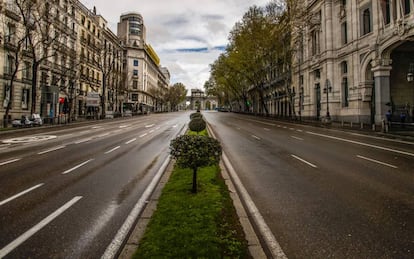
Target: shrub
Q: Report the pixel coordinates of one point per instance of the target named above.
(195, 115)
(195, 151)
(197, 124)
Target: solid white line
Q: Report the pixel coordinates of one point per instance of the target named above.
(304, 161)
(362, 144)
(112, 150)
(256, 137)
(264, 229)
(9, 161)
(50, 150)
(297, 138)
(130, 141)
(122, 233)
(143, 135)
(376, 161)
(20, 194)
(149, 126)
(18, 241)
(76, 167)
(83, 140)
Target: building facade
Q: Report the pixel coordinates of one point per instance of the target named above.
(352, 59)
(143, 72)
(64, 63)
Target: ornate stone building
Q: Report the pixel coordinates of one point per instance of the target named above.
(199, 101)
(353, 59)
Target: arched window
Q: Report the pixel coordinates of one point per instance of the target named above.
(366, 21)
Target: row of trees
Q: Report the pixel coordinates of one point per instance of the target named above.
(258, 55)
(170, 97)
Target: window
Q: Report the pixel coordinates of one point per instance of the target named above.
(406, 6)
(135, 62)
(9, 65)
(344, 67)
(315, 42)
(27, 70)
(135, 72)
(10, 33)
(386, 11)
(318, 73)
(25, 99)
(366, 21)
(134, 97)
(345, 91)
(344, 33)
(135, 84)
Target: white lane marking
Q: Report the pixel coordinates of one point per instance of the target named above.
(103, 135)
(376, 161)
(256, 137)
(157, 128)
(266, 129)
(175, 126)
(362, 144)
(50, 150)
(96, 127)
(284, 127)
(123, 126)
(83, 140)
(279, 126)
(299, 130)
(9, 161)
(149, 126)
(151, 131)
(262, 122)
(76, 167)
(296, 138)
(112, 150)
(122, 233)
(291, 128)
(130, 141)
(116, 131)
(273, 245)
(18, 241)
(382, 138)
(20, 194)
(304, 161)
(143, 135)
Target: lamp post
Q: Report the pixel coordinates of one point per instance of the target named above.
(327, 90)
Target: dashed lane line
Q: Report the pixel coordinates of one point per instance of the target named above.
(20, 194)
(18, 241)
(256, 137)
(296, 138)
(304, 161)
(376, 161)
(112, 150)
(143, 135)
(10, 161)
(130, 141)
(50, 150)
(76, 167)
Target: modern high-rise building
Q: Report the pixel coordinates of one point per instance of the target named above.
(354, 60)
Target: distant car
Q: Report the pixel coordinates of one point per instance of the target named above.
(36, 120)
(223, 109)
(24, 122)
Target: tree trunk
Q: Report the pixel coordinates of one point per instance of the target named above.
(194, 190)
(35, 68)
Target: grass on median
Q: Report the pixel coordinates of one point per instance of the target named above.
(187, 225)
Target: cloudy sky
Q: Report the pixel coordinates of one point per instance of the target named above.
(187, 35)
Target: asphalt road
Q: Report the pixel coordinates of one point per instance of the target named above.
(324, 193)
(65, 192)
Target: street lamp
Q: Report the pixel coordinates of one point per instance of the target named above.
(327, 90)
